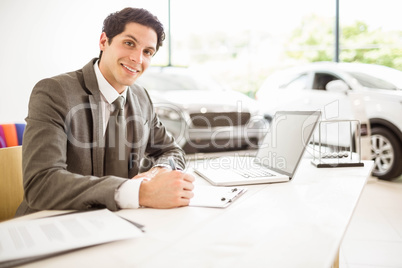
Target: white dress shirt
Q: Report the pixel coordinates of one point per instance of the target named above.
(127, 195)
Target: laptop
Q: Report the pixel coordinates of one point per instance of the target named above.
(277, 157)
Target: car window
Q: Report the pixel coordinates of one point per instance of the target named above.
(372, 81)
(299, 82)
(281, 80)
(322, 79)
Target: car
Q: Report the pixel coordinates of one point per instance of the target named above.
(324, 85)
(202, 115)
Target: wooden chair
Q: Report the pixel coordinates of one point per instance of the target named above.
(11, 189)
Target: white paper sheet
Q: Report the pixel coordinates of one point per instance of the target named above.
(32, 238)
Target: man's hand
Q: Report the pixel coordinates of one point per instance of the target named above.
(167, 189)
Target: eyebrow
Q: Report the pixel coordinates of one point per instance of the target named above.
(135, 39)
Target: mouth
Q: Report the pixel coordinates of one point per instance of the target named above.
(131, 70)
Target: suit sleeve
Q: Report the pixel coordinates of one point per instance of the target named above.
(161, 143)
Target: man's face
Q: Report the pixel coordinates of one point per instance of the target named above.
(128, 55)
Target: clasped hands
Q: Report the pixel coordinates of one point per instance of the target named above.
(165, 188)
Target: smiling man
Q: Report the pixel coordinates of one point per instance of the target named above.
(89, 131)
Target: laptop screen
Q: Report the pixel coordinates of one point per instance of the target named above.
(285, 142)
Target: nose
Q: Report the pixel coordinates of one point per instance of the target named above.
(136, 56)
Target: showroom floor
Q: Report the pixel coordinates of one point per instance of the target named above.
(374, 236)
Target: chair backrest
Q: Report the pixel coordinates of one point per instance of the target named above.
(11, 189)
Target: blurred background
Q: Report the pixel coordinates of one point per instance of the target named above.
(239, 43)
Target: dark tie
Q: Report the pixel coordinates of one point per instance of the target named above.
(116, 162)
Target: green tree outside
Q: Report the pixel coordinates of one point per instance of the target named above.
(314, 41)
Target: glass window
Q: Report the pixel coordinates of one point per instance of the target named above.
(298, 82)
(372, 81)
(322, 79)
(283, 80)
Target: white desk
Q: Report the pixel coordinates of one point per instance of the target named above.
(299, 223)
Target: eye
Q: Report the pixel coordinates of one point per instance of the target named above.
(148, 52)
(129, 43)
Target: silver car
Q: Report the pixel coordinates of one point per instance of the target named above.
(330, 86)
(201, 114)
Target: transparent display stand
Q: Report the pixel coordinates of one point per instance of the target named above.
(333, 145)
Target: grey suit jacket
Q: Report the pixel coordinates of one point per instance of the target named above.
(63, 152)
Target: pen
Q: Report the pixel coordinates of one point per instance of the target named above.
(172, 163)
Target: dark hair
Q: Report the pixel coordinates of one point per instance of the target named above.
(115, 23)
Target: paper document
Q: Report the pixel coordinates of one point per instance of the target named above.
(39, 237)
(214, 196)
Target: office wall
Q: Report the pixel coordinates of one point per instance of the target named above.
(43, 38)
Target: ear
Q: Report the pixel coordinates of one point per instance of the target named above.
(103, 41)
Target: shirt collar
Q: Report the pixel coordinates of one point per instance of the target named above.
(105, 88)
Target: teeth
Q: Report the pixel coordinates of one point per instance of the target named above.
(128, 68)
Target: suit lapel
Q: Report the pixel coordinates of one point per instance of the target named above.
(98, 149)
(135, 132)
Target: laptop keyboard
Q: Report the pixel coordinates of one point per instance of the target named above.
(254, 173)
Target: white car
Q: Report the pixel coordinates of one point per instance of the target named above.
(201, 114)
(325, 85)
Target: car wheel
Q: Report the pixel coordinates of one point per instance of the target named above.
(386, 154)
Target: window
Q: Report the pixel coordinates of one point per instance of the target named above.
(295, 82)
(322, 79)
(372, 81)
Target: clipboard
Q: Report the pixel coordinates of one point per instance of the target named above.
(214, 196)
